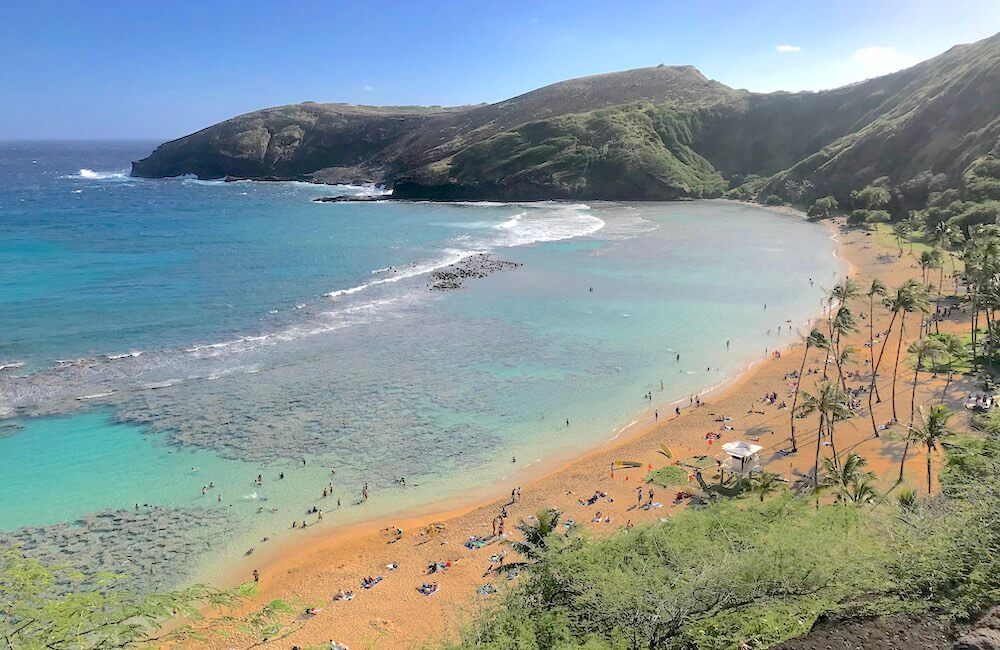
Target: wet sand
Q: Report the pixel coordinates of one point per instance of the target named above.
(395, 614)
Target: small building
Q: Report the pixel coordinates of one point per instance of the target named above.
(743, 457)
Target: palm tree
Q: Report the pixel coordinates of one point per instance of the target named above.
(861, 492)
(830, 401)
(913, 299)
(765, 483)
(924, 349)
(535, 538)
(843, 323)
(846, 353)
(947, 236)
(932, 429)
(953, 348)
(849, 478)
(815, 339)
(877, 288)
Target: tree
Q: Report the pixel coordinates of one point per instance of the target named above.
(923, 349)
(877, 288)
(929, 432)
(36, 611)
(830, 402)
(850, 480)
(912, 298)
(536, 538)
(815, 339)
(872, 197)
(953, 349)
(765, 483)
(824, 206)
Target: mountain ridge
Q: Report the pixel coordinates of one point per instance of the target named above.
(660, 132)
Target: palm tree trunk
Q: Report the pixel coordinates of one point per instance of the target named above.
(795, 398)
(913, 395)
(873, 391)
(833, 445)
(928, 469)
(871, 335)
(819, 442)
(902, 461)
(937, 321)
(895, 367)
(944, 393)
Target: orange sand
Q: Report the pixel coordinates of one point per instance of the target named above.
(394, 614)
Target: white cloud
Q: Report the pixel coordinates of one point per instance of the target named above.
(368, 89)
(788, 48)
(876, 61)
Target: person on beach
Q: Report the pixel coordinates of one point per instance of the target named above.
(256, 576)
(364, 492)
(567, 421)
(677, 410)
(656, 415)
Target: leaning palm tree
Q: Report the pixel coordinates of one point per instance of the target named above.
(842, 324)
(924, 349)
(843, 358)
(765, 483)
(877, 288)
(913, 297)
(929, 432)
(953, 349)
(815, 339)
(830, 402)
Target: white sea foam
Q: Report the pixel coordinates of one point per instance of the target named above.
(126, 355)
(91, 175)
(11, 366)
(96, 395)
(451, 257)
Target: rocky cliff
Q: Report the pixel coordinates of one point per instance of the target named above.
(652, 133)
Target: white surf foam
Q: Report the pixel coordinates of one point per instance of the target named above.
(91, 175)
(451, 257)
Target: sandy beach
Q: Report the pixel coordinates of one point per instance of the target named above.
(394, 613)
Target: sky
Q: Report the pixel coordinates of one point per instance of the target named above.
(159, 70)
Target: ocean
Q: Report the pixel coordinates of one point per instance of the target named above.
(164, 342)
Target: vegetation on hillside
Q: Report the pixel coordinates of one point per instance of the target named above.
(635, 151)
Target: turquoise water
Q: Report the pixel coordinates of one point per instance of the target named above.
(176, 334)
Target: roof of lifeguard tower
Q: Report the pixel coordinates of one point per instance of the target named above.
(741, 449)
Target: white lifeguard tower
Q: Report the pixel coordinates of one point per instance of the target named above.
(743, 457)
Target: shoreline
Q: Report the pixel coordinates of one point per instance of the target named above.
(353, 544)
(639, 424)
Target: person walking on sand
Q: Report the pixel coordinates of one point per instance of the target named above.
(256, 576)
(364, 492)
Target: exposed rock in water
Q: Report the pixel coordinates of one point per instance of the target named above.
(152, 547)
(353, 198)
(475, 266)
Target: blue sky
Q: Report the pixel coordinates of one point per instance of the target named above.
(162, 69)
